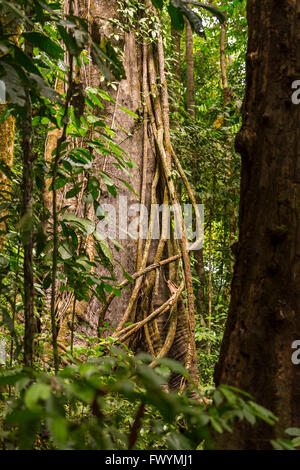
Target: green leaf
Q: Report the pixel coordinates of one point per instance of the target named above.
(296, 442)
(117, 244)
(175, 366)
(129, 187)
(127, 111)
(10, 378)
(22, 59)
(4, 261)
(216, 425)
(282, 444)
(126, 274)
(263, 413)
(104, 247)
(69, 41)
(37, 392)
(65, 251)
(158, 4)
(218, 398)
(44, 43)
(58, 427)
(178, 441)
(74, 191)
(294, 432)
(16, 10)
(84, 225)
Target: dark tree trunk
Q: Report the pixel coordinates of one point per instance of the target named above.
(264, 315)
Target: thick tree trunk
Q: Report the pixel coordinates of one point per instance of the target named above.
(7, 136)
(129, 135)
(264, 315)
(147, 143)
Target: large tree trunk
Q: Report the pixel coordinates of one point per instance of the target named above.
(148, 145)
(7, 134)
(264, 315)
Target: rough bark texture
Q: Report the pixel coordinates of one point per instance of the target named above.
(128, 96)
(7, 134)
(264, 315)
(162, 324)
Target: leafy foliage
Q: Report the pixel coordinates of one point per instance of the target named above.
(94, 403)
(94, 406)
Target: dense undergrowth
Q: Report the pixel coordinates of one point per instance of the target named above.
(116, 401)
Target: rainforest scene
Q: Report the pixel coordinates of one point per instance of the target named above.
(149, 225)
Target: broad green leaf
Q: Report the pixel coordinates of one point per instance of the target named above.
(37, 392)
(84, 224)
(44, 43)
(105, 248)
(177, 18)
(65, 251)
(295, 432)
(158, 4)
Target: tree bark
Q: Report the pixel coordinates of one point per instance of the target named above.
(7, 134)
(147, 143)
(264, 315)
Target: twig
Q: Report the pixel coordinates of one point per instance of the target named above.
(132, 438)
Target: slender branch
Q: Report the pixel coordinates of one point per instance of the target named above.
(134, 433)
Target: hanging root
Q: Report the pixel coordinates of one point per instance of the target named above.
(141, 313)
